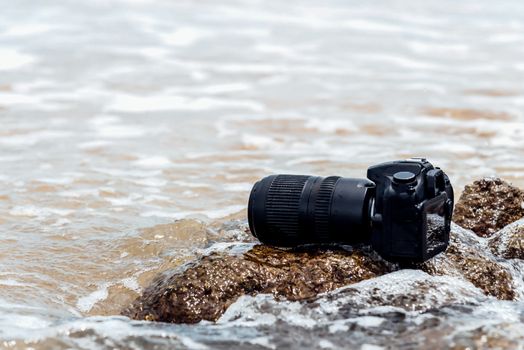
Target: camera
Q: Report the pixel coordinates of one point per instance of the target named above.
(403, 210)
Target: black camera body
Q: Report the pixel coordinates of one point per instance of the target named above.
(403, 210)
(411, 216)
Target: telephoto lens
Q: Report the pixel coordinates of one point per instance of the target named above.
(403, 209)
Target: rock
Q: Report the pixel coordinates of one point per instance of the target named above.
(467, 256)
(399, 308)
(508, 243)
(400, 292)
(410, 290)
(205, 289)
(488, 205)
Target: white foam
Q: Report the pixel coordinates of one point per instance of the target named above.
(153, 162)
(224, 129)
(26, 87)
(331, 125)
(400, 61)
(191, 184)
(222, 88)
(27, 29)
(94, 144)
(506, 38)
(260, 141)
(281, 50)
(12, 283)
(184, 36)
(191, 344)
(367, 321)
(34, 211)
(122, 201)
(58, 180)
(24, 322)
(78, 193)
(152, 182)
(245, 311)
(105, 119)
(131, 283)
(199, 75)
(61, 222)
(156, 197)
(212, 214)
(326, 344)
(121, 131)
(262, 341)
(112, 127)
(338, 326)
(155, 53)
(135, 103)
(112, 328)
(233, 248)
(86, 303)
(371, 347)
(225, 211)
(371, 26)
(167, 214)
(12, 59)
(32, 138)
(126, 173)
(237, 187)
(14, 99)
(424, 47)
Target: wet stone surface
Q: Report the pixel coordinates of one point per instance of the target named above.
(468, 257)
(205, 288)
(371, 310)
(487, 205)
(508, 243)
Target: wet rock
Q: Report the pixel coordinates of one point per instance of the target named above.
(508, 243)
(205, 289)
(391, 295)
(411, 290)
(469, 257)
(488, 205)
(402, 307)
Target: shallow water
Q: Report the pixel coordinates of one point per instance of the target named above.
(118, 118)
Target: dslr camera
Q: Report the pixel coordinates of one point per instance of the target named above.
(403, 210)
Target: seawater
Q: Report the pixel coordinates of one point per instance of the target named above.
(120, 117)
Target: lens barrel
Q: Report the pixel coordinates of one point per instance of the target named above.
(287, 210)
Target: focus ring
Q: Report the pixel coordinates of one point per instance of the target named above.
(323, 207)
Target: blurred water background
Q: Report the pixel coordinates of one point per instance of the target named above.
(121, 116)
